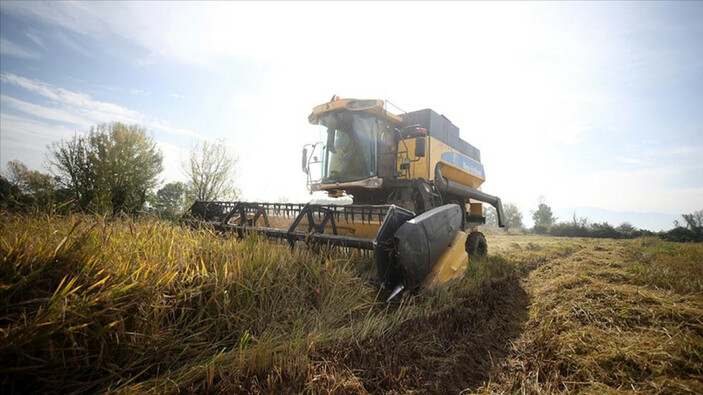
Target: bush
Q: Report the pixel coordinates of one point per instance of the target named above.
(595, 230)
(541, 229)
(682, 234)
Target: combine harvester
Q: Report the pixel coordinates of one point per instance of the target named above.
(415, 188)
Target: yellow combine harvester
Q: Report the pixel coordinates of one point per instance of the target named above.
(414, 184)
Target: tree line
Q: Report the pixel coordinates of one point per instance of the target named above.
(545, 223)
(114, 169)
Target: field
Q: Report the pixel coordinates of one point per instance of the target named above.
(89, 305)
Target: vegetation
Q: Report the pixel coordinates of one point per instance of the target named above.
(607, 316)
(692, 231)
(581, 227)
(170, 201)
(513, 216)
(34, 187)
(491, 217)
(113, 168)
(144, 305)
(543, 217)
(210, 170)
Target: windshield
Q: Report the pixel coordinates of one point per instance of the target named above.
(350, 151)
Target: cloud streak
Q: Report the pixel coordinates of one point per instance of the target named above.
(77, 108)
(7, 47)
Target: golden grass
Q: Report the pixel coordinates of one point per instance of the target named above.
(89, 305)
(609, 316)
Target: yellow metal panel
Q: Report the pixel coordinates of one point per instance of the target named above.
(418, 166)
(424, 167)
(358, 229)
(457, 174)
(476, 209)
(437, 148)
(451, 265)
(375, 107)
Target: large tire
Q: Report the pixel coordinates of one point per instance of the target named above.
(476, 244)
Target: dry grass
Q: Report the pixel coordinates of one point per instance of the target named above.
(608, 316)
(144, 306)
(90, 305)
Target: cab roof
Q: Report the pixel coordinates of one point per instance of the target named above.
(375, 107)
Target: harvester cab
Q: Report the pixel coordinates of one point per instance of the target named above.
(415, 189)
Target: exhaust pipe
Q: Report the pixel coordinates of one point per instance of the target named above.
(445, 185)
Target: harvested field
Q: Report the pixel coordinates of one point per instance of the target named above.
(91, 306)
(606, 316)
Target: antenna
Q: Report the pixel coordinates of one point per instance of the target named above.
(398, 108)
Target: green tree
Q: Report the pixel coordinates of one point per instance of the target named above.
(626, 228)
(70, 163)
(127, 164)
(692, 232)
(210, 170)
(113, 168)
(513, 216)
(543, 217)
(8, 193)
(170, 200)
(34, 187)
(694, 220)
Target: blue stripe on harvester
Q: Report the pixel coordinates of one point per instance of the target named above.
(464, 162)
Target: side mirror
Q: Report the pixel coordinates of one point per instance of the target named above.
(420, 147)
(305, 160)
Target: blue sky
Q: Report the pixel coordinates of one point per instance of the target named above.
(589, 104)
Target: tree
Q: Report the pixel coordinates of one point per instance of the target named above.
(513, 216)
(693, 232)
(8, 192)
(127, 164)
(71, 165)
(491, 216)
(543, 217)
(694, 220)
(34, 187)
(170, 200)
(626, 228)
(113, 168)
(210, 170)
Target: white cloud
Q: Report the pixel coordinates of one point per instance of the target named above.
(47, 113)
(26, 139)
(521, 81)
(131, 91)
(34, 36)
(138, 92)
(78, 108)
(7, 47)
(26, 128)
(74, 16)
(72, 44)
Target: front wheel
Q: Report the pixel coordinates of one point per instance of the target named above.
(476, 244)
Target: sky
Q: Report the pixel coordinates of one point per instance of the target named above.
(596, 104)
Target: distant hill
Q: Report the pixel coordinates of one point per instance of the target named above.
(650, 221)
